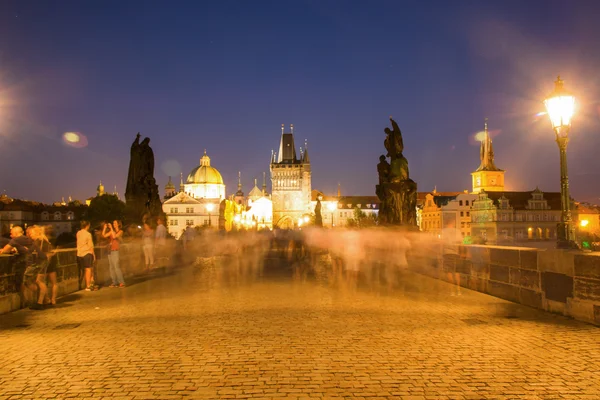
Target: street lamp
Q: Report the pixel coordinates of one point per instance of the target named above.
(331, 206)
(560, 105)
(209, 208)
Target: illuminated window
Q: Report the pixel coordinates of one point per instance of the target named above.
(57, 216)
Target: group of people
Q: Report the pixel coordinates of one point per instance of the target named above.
(37, 257)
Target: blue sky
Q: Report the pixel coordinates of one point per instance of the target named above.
(223, 76)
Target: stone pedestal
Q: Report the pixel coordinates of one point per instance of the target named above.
(398, 203)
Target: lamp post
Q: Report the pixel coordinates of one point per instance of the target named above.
(560, 106)
(331, 206)
(209, 208)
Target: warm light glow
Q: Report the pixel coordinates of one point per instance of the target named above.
(584, 223)
(71, 137)
(560, 106)
(530, 229)
(237, 218)
(210, 207)
(331, 206)
(299, 221)
(305, 219)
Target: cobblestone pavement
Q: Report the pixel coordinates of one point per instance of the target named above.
(216, 332)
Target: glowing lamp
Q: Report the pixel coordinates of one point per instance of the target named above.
(584, 223)
(237, 218)
(560, 106)
(210, 207)
(331, 206)
(305, 219)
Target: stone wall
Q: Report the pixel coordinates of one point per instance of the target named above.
(559, 281)
(67, 271)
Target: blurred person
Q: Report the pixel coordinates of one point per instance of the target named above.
(352, 257)
(85, 253)
(114, 232)
(25, 249)
(148, 246)
(160, 240)
(44, 254)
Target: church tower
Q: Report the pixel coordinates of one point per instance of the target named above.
(487, 177)
(290, 182)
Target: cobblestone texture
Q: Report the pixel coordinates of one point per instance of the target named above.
(211, 333)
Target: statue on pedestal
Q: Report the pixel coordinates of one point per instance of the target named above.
(396, 191)
(318, 215)
(141, 194)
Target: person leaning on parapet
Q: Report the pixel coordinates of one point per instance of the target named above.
(85, 253)
(26, 249)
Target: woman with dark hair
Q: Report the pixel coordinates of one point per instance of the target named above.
(115, 234)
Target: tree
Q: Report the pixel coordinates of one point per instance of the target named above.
(107, 207)
(362, 220)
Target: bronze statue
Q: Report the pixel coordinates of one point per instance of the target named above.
(318, 215)
(383, 169)
(396, 191)
(141, 193)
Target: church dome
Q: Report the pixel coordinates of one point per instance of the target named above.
(204, 173)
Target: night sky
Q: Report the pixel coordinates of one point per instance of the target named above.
(223, 76)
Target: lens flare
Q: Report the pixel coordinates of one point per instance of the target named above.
(74, 139)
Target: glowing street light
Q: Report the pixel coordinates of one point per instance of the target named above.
(584, 223)
(331, 206)
(209, 208)
(560, 105)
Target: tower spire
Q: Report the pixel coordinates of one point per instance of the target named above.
(181, 187)
(264, 186)
(486, 152)
(239, 180)
(339, 190)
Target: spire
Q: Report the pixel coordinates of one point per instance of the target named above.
(305, 159)
(239, 180)
(205, 160)
(287, 149)
(264, 187)
(292, 128)
(181, 186)
(339, 190)
(486, 152)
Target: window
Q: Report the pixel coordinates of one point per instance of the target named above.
(462, 214)
(462, 224)
(173, 222)
(468, 214)
(460, 202)
(45, 216)
(174, 210)
(70, 215)
(189, 222)
(466, 202)
(341, 214)
(57, 216)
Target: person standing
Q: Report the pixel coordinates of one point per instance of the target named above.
(115, 234)
(25, 248)
(85, 253)
(148, 246)
(160, 240)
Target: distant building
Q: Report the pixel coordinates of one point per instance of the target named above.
(291, 183)
(429, 216)
(60, 218)
(513, 217)
(198, 201)
(456, 217)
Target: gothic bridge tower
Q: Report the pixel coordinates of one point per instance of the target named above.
(291, 182)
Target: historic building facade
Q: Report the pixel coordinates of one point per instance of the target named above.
(198, 201)
(512, 217)
(291, 183)
(487, 177)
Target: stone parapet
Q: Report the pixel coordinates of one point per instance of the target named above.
(559, 281)
(67, 271)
